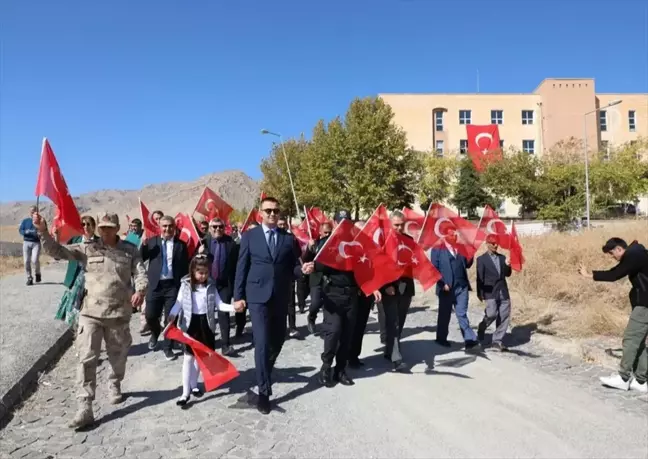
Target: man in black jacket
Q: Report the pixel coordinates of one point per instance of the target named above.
(492, 270)
(222, 252)
(315, 279)
(396, 300)
(168, 263)
(633, 262)
(340, 303)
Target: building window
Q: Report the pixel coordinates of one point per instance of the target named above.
(603, 120)
(527, 116)
(528, 146)
(463, 147)
(501, 144)
(632, 121)
(497, 116)
(438, 121)
(439, 147)
(465, 117)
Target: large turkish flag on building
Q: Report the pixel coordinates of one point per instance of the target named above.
(483, 145)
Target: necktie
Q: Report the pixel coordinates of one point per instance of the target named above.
(271, 243)
(165, 267)
(216, 263)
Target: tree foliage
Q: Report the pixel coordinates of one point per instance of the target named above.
(469, 192)
(438, 175)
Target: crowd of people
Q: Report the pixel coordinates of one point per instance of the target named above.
(263, 273)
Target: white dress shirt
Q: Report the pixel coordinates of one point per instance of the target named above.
(169, 253)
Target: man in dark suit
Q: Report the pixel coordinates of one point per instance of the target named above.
(268, 262)
(452, 290)
(492, 271)
(396, 300)
(168, 259)
(222, 252)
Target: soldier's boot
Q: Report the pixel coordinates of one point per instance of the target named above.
(83, 417)
(116, 396)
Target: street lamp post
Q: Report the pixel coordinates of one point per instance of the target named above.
(283, 148)
(587, 187)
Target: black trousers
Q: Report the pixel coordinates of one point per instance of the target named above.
(365, 303)
(316, 302)
(396, 308)
(158, 302)
(224, 323)
(340, 309)
(381, 323)
(303, 290)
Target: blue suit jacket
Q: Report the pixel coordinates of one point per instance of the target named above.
(441, 260)
(259, 276)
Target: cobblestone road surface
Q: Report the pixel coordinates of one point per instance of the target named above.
(530, 403)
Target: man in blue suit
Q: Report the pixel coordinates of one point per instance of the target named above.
(268, 262)
(452, 290)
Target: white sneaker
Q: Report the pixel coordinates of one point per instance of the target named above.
(643, 388)
(616, 381)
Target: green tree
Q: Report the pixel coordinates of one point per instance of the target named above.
(469, 192)
(517, 176)
(275, 181)
(438, 175)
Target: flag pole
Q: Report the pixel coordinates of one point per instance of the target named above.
(310, 234)
(424, 222)
(194, 227)
(479, 225)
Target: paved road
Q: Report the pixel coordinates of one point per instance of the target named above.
(528, 404)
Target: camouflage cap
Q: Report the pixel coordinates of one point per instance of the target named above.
(108, 220)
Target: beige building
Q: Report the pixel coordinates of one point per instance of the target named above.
(557, 110)
(532, 122)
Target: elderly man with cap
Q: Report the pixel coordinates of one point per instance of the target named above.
(110, 264)
(340, 304)
(492, 270)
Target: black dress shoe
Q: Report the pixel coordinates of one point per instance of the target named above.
(153, 341)
(472, 345)
(443, 342)
(227, 351)
(38, 278)
(400, 367)
(182, 401)
(344, 379)
(197, 392)
(30, 281)
(325, 378)
(355, 363)
(263, 404)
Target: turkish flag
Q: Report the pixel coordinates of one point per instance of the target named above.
(216, 370)
(411, 259)
(483, 145)
(413, 223)
(301, 236)
(312, 223)
(188, 233)
(515, 254)
(443, 226)
(319, 215)
(50, 183)
(340, 250)
(213, 206)
(378, 226)
(151, 228)
(253, 217)
(491, 224)
(372, 267)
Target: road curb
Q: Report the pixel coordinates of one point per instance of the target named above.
(16, 393)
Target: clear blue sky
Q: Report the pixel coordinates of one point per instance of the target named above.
(135, 92)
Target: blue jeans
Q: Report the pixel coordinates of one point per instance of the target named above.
(457, 297)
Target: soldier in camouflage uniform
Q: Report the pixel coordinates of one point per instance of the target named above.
(110, 264)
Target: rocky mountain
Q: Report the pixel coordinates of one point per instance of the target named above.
(235, 187)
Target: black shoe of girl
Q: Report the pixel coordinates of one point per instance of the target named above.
(197, 392)
(182, 401)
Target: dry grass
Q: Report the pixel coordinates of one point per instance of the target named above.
(10, 265)
(10, 233)
(552, 294)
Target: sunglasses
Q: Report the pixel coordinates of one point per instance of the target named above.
(217, 226)
(271, 211)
